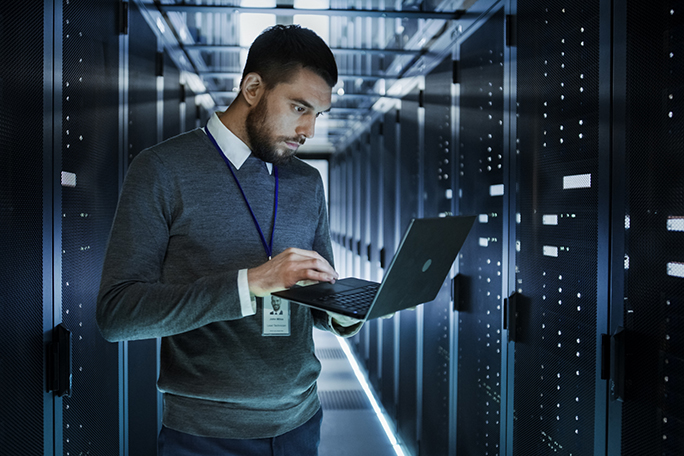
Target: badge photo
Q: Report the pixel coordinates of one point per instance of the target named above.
(276, 316)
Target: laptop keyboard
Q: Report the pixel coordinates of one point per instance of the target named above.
(354, 300)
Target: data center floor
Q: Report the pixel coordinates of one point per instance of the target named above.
(350, 425)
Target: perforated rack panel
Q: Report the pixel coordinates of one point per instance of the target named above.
(21, 234)
(557, 229)
(172, 98)
(653, 411)
(480, 150)
(389, 207)
(374, 176)
(376, 198)
(437, 178)
(359, 155)
(350, 211)
(142, 84)
(191, 118)
(408, 175)
(90, 152)
(358, 182)
(336, 195)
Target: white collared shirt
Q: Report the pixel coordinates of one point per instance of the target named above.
(232, 147)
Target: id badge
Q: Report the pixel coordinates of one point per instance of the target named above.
(276, 316)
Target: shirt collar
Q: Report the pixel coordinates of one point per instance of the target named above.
(232, 147)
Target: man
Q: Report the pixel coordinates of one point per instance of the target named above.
(211, 222)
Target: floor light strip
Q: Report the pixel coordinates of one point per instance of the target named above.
(371, 397)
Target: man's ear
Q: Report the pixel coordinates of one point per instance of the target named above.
(252, 88)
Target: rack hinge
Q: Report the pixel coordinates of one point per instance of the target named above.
(123, 18)
(511, 30)
(159, 64)
(510, 315)
(456, 285)
(59, 362)
(613, 357)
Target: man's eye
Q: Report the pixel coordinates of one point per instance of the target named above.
(299, 109)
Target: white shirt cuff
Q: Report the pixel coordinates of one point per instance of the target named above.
(344, 331)
(247, 301)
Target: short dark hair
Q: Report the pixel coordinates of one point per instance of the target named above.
(282, 49)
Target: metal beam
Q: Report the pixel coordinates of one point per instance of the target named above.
(223, 93)
(341, 51)
(338, 114)
(286, 11)
(335, 97)
(355, 96)
(347, 77)
(355, 112)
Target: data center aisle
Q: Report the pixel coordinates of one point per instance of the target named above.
(350, 425)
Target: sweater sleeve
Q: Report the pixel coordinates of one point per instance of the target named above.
(134, 302)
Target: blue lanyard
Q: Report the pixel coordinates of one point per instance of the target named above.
(268, 247)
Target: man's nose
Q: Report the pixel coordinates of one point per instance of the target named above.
(306, 127)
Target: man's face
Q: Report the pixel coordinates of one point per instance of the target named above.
(285, 116)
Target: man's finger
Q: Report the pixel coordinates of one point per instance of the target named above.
(287, 268)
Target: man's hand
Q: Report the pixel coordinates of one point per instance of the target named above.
(286, 269)
(343, 320)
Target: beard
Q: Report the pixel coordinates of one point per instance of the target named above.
(263, 143)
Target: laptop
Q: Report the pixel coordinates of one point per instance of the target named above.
(415, 275)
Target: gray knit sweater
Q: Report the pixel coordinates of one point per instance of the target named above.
(181, 233)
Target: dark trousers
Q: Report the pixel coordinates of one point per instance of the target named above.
(302, 441)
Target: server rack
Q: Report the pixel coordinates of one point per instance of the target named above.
(145, 66)
(409, 190)
(563, 215)
(64, 92)
(480, 189)
(389, 164)
(646, 406)
(357, 233)
(89, 153)
(26, 214)
(351, 213)
(374, 175)
(437, 200)
(151, 108)
(171, 122)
